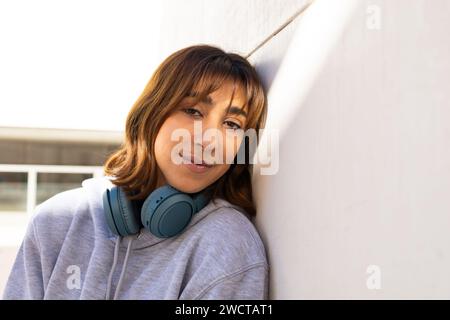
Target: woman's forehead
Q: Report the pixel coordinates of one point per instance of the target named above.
(225, 92)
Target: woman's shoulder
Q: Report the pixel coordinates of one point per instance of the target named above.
(52, 219)
(229, 230)
(59, 207)
(82, 205)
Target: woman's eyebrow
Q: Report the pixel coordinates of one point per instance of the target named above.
(232, 110)
(237, 111)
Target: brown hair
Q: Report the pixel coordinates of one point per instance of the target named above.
(200, 66)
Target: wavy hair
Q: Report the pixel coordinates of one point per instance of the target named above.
(202, 68)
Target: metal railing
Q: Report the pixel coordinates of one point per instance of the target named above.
(32, 171)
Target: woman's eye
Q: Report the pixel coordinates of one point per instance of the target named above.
(192, 111)
(195, 113)
(233, 125)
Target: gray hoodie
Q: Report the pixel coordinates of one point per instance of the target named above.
(69, 252)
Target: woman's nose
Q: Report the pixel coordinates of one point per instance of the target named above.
(205, 136)
(207, 129)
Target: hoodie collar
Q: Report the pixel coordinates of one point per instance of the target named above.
(146, 239)
(96, 186)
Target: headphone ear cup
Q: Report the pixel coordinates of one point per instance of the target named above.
(167, 211)
(201, 200)
(123, 213)
(108, 212)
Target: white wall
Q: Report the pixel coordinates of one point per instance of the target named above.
(364, 173)
(235, 25)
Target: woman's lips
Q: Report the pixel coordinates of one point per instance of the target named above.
(196, 168)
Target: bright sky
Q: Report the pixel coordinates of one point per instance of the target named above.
(75, 64)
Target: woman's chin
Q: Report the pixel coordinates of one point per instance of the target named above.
(187, 185)
(189, 189)
(188, 181)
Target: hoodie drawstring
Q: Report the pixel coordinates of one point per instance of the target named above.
(116, 254)
(124, 268)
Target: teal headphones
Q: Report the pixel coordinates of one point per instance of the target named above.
(165, 212)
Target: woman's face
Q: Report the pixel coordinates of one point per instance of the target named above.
(189, 177)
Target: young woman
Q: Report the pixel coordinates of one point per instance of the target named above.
(101, 241)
